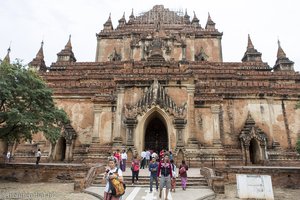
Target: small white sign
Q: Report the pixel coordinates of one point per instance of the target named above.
(254, 186)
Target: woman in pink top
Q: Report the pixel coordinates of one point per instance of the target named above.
(183, 175)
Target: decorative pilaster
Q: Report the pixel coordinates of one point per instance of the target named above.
(192, 37)
(117, 140)
(190, 112)
(183, 49)
(70, 136)
(130, 124)
(67, 153)
(215, 109)
(143, 51)
(97, 122)
(247, 159)
(286, 125)
(179, 125)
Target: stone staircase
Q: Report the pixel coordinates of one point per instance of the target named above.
(93, 153)
(193, 182)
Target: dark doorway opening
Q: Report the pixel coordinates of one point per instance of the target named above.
(254, 152)
(156, 136)
(61, 149)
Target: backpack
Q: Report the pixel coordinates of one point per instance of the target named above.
(116, 186)
(182, 170)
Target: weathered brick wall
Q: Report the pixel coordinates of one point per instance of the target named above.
(44, 173)
(281, 176)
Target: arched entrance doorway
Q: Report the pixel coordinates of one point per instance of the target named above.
(253, 143)
(156, 135)
(254, 151)
(61, 149)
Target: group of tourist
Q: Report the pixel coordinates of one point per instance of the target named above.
(121, 159)
(162, 170)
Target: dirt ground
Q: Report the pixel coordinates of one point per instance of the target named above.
(279, 193)
(58, 191)
(41, 191)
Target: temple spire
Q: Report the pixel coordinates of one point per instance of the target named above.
(195, 21)
(40, 53)
(280, 52)
(69, 45)
(108, 24)
(210, 24)
(251, 54)
(66, 55)
(38, 62)
(122, 21)
(131, 15)
(186, 17)
(282, 62)
(7, 57)
(250, 45)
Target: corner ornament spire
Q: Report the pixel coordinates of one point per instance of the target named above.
(40, 53)
(250, 44)
(280, 52)
(69, 45)
(282, 62)
(210, 24)
(7, 57)
(108, 24)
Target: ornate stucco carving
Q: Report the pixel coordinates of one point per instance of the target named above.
(155, 95)
(69, 133)
(115, 56)
(201, 56)
(200, 121)
(251, 131)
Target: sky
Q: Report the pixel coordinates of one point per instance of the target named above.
(25, 23)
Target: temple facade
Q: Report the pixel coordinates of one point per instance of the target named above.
(159, 82)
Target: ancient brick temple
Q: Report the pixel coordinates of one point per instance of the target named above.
(159, 82)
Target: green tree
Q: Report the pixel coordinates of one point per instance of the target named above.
(298, 105)
(26, 105)
(298, 146)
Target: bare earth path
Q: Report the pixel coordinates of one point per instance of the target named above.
(41, 191)
(59, 191)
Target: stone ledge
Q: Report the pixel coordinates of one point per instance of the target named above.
(281, 176)
(45, 172)
(215, 182)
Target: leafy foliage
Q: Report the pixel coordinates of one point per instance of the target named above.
(298, 146)
(26, 105)
(298, 105)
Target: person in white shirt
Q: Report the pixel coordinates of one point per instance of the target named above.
(173, 180)
(38, 156)
(8, 156)
(123, 160)
(154, 155)
(112, 172)
(143, 160)
(148, 154)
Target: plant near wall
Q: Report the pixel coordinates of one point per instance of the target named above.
(298, 146)
(27, 106)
